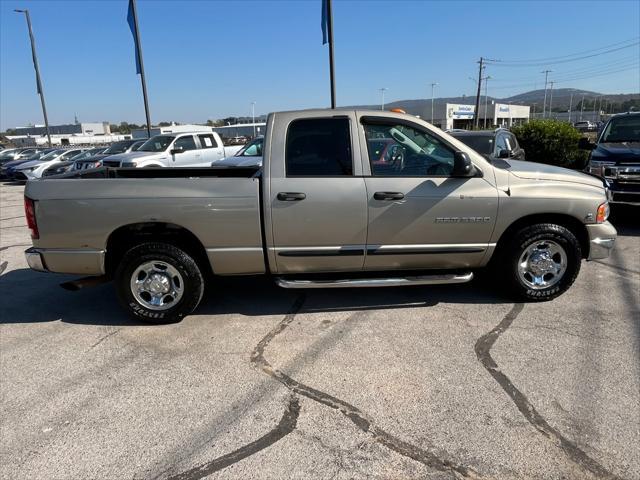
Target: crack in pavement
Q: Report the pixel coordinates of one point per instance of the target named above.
(11, 218)
(483, 352)
(15, 245)
(363, 421)
(617, 267)
(285, 426)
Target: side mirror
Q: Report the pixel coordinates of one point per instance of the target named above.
(462, 166)
(177, 150)
(504, 153)
(585, 144)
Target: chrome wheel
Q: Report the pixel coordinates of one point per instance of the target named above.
(157, 285)
(542, 264)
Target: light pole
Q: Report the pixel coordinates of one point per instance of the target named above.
(550, 99)
(433, 85)
(581, 107)
(382, 90)
(37, 68)
(253, 117)
(570, 106)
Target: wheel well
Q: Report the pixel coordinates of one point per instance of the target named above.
(126, 237)
(570, 223)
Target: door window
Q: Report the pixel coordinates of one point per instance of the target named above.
(319, 147)
(399, 150)
(187, 143)
(207, 141)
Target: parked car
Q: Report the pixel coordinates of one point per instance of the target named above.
(322, 215)
(16, 154)
(499, 143)
(95, 161)
(586, 126)
(7, 170)
(34, 169)
(197, 149)
(67, 165)
(248, 156)
(616, 157)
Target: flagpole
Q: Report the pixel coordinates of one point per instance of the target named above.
(331, 67)
(142, 78)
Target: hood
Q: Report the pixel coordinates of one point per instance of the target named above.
(29, 164)
(95, 158)
(625, 152)
(541, 171)
(119, 157)
(238, 162)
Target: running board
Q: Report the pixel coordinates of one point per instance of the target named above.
(377, 282)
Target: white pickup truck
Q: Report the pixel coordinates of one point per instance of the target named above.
(197, 149)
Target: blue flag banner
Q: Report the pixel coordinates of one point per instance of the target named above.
(325, 21)
(132, 25)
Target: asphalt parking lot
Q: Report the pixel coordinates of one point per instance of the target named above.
(438, 383)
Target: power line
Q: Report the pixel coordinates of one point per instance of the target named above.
(500, 63)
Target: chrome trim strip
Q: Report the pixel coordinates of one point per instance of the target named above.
(377, 282)
(428, 249)
(234, 249)
(334, 251)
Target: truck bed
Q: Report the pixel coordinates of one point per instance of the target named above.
(219, 206)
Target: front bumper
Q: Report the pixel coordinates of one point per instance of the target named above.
(80, 261)
(602, 238)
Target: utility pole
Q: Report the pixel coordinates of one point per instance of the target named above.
(253, 117)
(37, 68)
(486, 98)
(581, 107)
(432, 87)
(382, 90)
(477, 111)
(544, 105)
(132, 19)
(570, 105)
(550, 99)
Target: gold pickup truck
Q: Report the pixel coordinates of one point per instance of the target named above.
(343, 198)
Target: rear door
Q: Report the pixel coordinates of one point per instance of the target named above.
(316, 196)
(211, 151)
(189, 157)
(420, 216)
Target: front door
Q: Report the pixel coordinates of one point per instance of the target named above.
(420, 216)
(317, 195)
(190, 156)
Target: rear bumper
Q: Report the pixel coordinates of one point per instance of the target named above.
(602, 238)
(81, 262)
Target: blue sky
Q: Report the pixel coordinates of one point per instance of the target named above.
(210, 59)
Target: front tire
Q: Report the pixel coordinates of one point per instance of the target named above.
(158, 283)
(541, 262)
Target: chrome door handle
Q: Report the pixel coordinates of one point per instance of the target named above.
(388, 196)
(291, 196)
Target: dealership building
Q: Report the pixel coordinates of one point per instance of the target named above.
(450, 116)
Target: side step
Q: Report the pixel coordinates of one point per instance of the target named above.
(377, 282)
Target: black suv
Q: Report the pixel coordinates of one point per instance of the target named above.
(492, 144)
(616, 157)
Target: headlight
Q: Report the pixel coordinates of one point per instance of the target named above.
(598, 167)
(603, 212)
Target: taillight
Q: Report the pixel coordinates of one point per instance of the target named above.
(603, 213)
(30, 213)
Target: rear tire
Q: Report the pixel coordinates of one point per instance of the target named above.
(158, 283)
(540, 262)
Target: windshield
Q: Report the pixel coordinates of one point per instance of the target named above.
(83, 155)
(51, 155)
(481, 144)
(158, 143)
(252, 149)
(622, 129)
(118, 147)
(136, 146)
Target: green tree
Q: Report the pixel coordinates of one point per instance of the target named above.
(552, 142)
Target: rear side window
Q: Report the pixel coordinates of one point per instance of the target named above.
(319, 147)
(207, 141)
(188, 143)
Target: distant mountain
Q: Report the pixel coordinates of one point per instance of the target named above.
(560, 101)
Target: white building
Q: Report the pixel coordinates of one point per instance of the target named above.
(42, 141)
(142, 132)
(455, 115)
